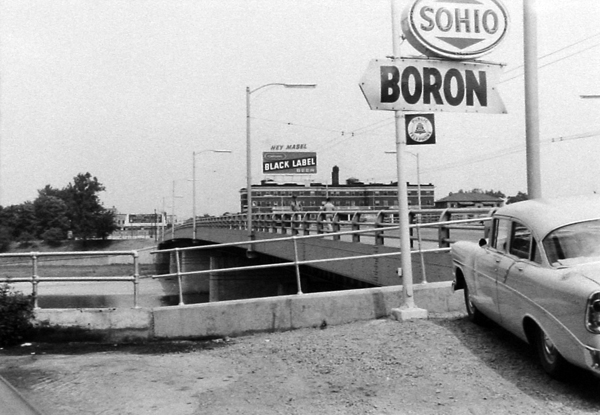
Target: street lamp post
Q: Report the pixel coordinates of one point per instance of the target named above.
(249, 150)
(194, 154)
(173, 211)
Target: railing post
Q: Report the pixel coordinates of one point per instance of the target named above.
(356, 227)
(411, 221)
(320, 217)
(293, 225)
(136, 278)
(34, 280)
(298, 280)
(379, 239)
(336, 226)
(179, 278)
(423, 272)
(305, 224)
(444, 231)
(283, 230)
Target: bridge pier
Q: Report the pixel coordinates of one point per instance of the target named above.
(194, 285)
(236, 285)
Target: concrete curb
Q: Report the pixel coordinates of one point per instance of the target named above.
(239, 317)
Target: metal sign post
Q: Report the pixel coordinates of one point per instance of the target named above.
(407, 310)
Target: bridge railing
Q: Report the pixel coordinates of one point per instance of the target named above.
(35, 278)
(276, 223)
(444, 221)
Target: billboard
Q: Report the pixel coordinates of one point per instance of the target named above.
(145, 218)
(289, 162)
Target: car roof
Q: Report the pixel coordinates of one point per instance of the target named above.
(544, 215)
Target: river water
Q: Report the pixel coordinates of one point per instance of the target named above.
(104, 294)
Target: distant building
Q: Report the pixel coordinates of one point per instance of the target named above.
(139, 225)
(272, 196)
(469, 200)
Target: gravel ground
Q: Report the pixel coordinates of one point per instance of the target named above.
(443, 365)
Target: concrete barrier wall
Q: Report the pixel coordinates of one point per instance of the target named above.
(91, 324)
(239, 317)
(234, 318)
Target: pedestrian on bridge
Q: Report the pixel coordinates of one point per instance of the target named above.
(296, 206)
(329, 208)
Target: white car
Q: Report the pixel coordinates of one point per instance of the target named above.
(538, 276)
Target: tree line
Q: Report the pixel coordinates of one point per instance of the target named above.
(74, 211)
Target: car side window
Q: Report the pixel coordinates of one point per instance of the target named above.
(536, 255)
(501, 234)
(520, 244)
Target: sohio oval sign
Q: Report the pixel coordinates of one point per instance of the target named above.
(455, 29)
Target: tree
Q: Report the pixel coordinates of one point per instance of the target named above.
(520, 196)
(17, 219)
(88, 216)
(51, 212)
(493, 193)
(105, 224)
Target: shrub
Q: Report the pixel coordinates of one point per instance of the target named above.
(25, 240)
(53, 236)
(16, 315)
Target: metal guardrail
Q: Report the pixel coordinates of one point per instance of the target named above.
(35, 279)
(300, 225)
(317, 222)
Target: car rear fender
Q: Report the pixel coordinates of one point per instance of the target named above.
(565, 341)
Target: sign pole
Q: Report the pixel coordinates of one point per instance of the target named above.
(408, 310)
(532, 125)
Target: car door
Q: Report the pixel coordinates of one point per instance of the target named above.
(518, 285)
(491, 266)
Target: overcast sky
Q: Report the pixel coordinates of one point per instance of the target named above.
(127, 90)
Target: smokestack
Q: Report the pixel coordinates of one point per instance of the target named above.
(335, 176)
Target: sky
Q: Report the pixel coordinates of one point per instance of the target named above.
(129, 90)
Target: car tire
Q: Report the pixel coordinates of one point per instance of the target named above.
(551, 360)
(473, 312)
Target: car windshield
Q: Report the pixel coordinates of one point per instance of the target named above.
(574, 244)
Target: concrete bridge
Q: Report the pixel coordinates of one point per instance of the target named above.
(362, 251)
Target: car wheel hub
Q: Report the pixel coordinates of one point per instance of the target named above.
(548, 348)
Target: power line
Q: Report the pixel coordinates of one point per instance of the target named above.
(510, 150)
(551, 63)
(557, 51)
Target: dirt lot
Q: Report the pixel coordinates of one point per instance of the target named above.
(436, 366)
